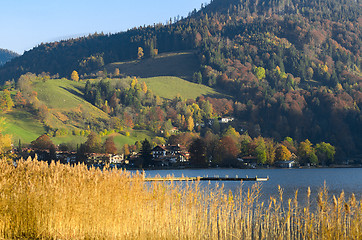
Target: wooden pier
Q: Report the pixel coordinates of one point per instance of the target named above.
(215, 178)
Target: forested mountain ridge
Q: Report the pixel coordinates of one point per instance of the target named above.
(292, 66)
(220, 18)
(6, 56)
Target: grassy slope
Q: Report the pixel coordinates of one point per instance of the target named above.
(22, 125)
(60, 96)
(119, 139)
(63, 97)
(58, 93)
(169, 87)
(164, 75)
(136, 135)
(177, 64)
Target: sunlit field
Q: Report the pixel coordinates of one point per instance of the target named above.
(41, 201)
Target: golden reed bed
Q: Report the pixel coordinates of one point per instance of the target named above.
(38, 201)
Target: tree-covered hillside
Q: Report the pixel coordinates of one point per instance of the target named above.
(6, 56)
(302, 23)
(292, 67)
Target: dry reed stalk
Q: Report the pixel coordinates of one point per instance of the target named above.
(41, 201)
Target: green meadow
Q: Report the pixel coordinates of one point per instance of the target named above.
(22, 126)
(169, 87)
(68, 110)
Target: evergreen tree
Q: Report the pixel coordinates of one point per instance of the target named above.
(146, 153)
(198, 153)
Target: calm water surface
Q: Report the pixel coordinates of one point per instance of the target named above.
(337, 180)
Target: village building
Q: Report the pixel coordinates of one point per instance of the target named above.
(66, 157)
(248, 161)
(170, 155)
(116, 159)
(101, 158)
(286, 164)
(225, 119)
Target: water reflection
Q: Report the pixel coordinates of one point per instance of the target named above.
(337, 180)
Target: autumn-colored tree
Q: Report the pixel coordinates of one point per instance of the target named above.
(196, 113)
(140, 53)
(159, 114)
(5, 143)
(43, 143)
(222, 107)
(289, 143)
(259, 72)
(93, 143)
(116, 123)
(231, 132)
(282, 153)
(6, 103)
(128, 121)
(106, 108)
(110, 146)
(74, 76)
(134, 83)
(310, 73)
(20, 101)
(116, 72)
(126, 150)
(114, 101)
(158, 100)
(5, 139)
(181, 121)
(306, 153)
(190, 124)
(43, 112)
(270, 151)
(144, 87)
(229, 150)
(212, 145)
(24, 83)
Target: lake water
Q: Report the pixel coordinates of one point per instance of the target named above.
(337, 180)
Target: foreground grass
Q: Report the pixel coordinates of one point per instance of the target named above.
(38, 201)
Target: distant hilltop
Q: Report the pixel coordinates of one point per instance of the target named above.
(6, 55)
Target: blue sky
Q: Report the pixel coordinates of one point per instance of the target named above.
(26, 23)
